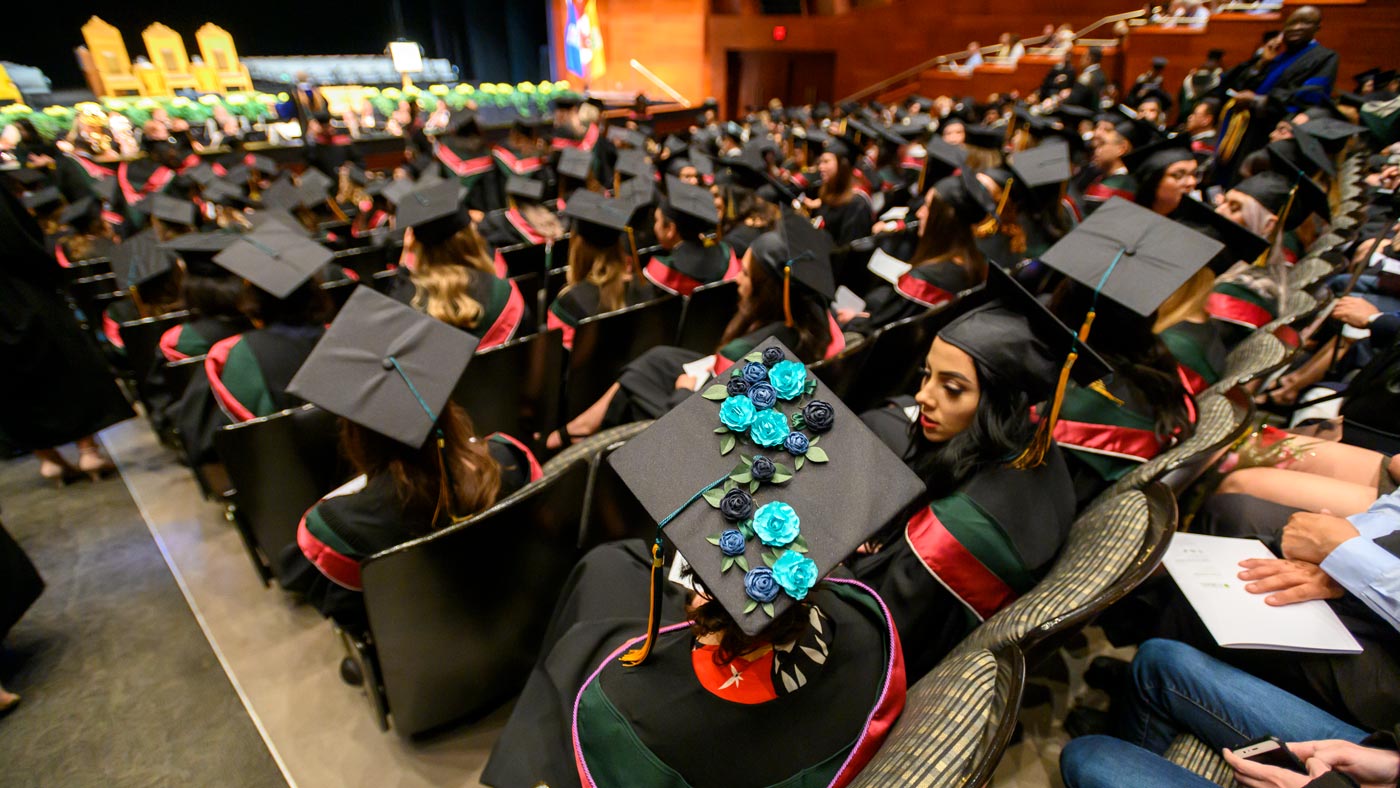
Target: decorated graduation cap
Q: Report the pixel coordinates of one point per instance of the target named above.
(434, 212)
(797, 253)
(1239, 243)
(198, 250)
(275, 262)
(81, 212)
(575, 163)
(769, 484)
(43, 199)
(691, 207)
(599, 220)
(140, 259)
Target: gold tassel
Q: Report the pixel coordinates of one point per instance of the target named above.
(1099, 388)
(639, 655)
(1276, 237)
(632, 243)
(1034, 454)
(1234, 132)
(991, 224)
(787, 294)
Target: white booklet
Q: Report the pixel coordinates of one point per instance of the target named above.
(887, 266)
(701, 369)
(847, 299)
(1207, 568)
(895, 213)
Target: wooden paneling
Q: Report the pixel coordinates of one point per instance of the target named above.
(666, 36)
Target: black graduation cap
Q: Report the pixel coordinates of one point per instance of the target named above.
(733, 131)
(633, 164)
(1156, 94)
(599, 220)
(172, 210)
(942, 160)
(848, 486)
(434, 212)
(1072, 114)
(356, 174)
(140, 259)
(277, 220)
(1040, 125)
(621, 135)
(202, 173)
(263, 165)
(222, 192)
(914, 127)
(529, 188)
(1130, 254)
(844, 146)
(1044, 165)
(638, 192)
(1302, 153)
(238, 174)
(575, 163)
(1331, 132)
(397, 189)
(81, 212)
(28, 177)
(1310, 197)
(1370, 73)
(674, 145)
(314, 186)
(1240, 244)
(275, 262)
(385, 366)
(1149, 159)
(689, 204)
(282, 195)
(43, 199)
(970, 200)
(796, 245)
(198, 250)
(992, 137)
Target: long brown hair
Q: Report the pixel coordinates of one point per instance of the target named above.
(710, 618)
(442, 277)
(765, 305)
(417, 473)
(839, 190)
(1187, 301)
(946, 239)
(608, 268)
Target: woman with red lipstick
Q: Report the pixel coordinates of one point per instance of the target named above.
(1001, 498)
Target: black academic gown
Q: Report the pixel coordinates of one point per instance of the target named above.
(923, 288)
(58, 388)
(846, 223)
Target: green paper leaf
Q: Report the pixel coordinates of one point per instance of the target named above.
(753, 487)
(742, 562)
(747, 461)
(799, 544)
(781, 468)
(768, 608)
(769, 558)
(746, 528)
(797, 463)
(742, 478)
(726, 444)
(757, 355)
(714, 540)
(720, 430)
(817, 454)
(780, 477)
(713, 496)
(726, 564)
(814, 441)
(798, 423)
(811, 385)
(728, 485)
(751, 606)
(716, 393)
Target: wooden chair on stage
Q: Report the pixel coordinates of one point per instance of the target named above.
(216, 47)
(111, 73)
(167, 52)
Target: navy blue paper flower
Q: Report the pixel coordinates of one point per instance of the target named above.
(754, 372)
(772, 355)
(795, 444)
(818, 415)
(736, 505)
(731, 543)
(762, 468)
(764, 396)
(736, 387)
(760, 585)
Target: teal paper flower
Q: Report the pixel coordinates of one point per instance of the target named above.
(796, 573)
(788, 378)
(737, 413)
(767, 428)
(777, 524)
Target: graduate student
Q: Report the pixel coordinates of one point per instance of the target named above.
(626, 688)
(602, 275)
(685, 223)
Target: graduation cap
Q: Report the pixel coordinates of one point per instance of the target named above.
(1131, 255)
(314, 186)
(529, 188)
(28, 177)
(222, 192)
(198, 250)
(1040, 125)
(139, 259)
(43, 199)
(1302, 153)
(992, 137)
(621, 135)
(638, 192)
(797, 250)
(81, 212)
(1046, 164)
(1369, 74)
(202, 173)
(356, 174)
(1292, 197)
(832, 498)
(814, 140)
(633, 164)
(674, 145)
(385, 366)
(396, 190)
(970, 200)
(434, 212)
(172, 210)
(914, 127)
(844, 146)
(1331, 132)
(282, 195)
(599, 220)
(277, 220)
(575, 163)
(689, 206)
(942, 160)
(263, 165)
(238, 174)
(1158, 95)
(1149, 160)
(275, 262)
(1240, 244)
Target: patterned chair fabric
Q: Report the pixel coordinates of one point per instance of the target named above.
(1307, 271)
(956, 723)
(1257, 356)
(1194, 755)
(1298, 305)
(591, 446)
(1111, 548)
(1219, 421)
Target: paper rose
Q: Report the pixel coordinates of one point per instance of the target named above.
(796, 573)
(754, 372)
(767, 428)
(788, 378)
(737, 413)
(736, 387)
(760, 585)
(762, 468)
(795, 444)
(772, 355)
(736, 505)
(731, 543)
(818, 415)
(763, 396)
(776, 524)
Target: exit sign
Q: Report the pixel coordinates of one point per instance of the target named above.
(779, 32)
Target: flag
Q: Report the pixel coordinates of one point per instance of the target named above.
(597, 63)
(573, 43)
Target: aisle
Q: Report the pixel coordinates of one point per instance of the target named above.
(281, 655)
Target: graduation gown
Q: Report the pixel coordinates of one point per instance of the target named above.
(1277, 81)
(20, 583)
(1105, 187)
(503, 309)
(850, 221)
(691, 265)
(969, 554)
(582, 301)
(507, 227)
(585, 719)
(1200, 350)
(195, 337)
(922, 288)
(364, 517)
(742, 237)
(249, 373)
(1244, 299)
(58, 388)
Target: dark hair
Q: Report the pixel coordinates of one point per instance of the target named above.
(1125, 340)
(1095, 54)
(417, 472)
(944, 238)
(1213, 104)
(840, 189)
(741, 204)
(1000, 430)
(213, 296)
(307, 305)
(765, 306)
(710, 618)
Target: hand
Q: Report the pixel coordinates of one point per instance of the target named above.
(1312, 537)
(1295, 581)
(880, 227)
(685, 382)
(40, 160)
(1257, 775)
(1371, 767)
(811, 204)
(1355, 312)
(844, 316)
(1245, 95)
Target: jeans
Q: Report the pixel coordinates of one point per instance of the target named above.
(1177, 689)
(1367, 288)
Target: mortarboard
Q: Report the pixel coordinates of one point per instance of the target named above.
(969, 198)
(991, 137)
(198, 250)
(795, 248)
(1239, 243)
(1040, 125)
(434, 212)
(1307, 200)
(674, 145)
(1158, 95)
(172, 210)
(81, 212)
(844, 146)
(221, 192)
(633, 164)
(202, 173)
(1131, 255)
(1301, 153)
(942, 160)
(263, 165)
(1044, 165)
(638, 192)
(277, 220)
(599, 220)
(756, 546)
(397, 189)
(575, 163)
(238, 174)
(313, 187)
(1148, 160)
(139, 259)
(47, 197)
(689, 205)
(385, 366)
(275, 262)
(529, 188)
(1331, 133)
(282, 195)
(356, 174)
(28, 177)
(620, 135)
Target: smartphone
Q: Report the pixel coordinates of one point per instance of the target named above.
(1269, 751)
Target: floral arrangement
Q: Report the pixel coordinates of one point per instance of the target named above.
(767, 403)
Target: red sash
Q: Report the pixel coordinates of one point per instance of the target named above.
(1192, 380)
(169, 342)
(566, 331)
(113, 218)
(463, 168)
(1097, 191)
(507, 322)
(800, 181)
(61, 256)
(91, 167)
(1124, 442)
(955, 567)
(517, 165)
(523, 227)
(190, 161)
(838, 338)
(922, 292)
(1073, 208)
(671, 280)
(214, 368)
(499, 260)
(536, 472)
(341, 569)
(735, 266)
(112, 331)
(590, 138)
(1237, 311)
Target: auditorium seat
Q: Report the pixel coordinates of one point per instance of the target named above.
(894, 359)
(840, 372)
(1221, 420)
(365, 261)
(278, 466)
(603, 344)
(1256, 357)
(1111, 549)
(956, 724)
(339, 292)
(515, 388)
(141, 338)
(612, 512)
(706, 314)
(456, 617)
